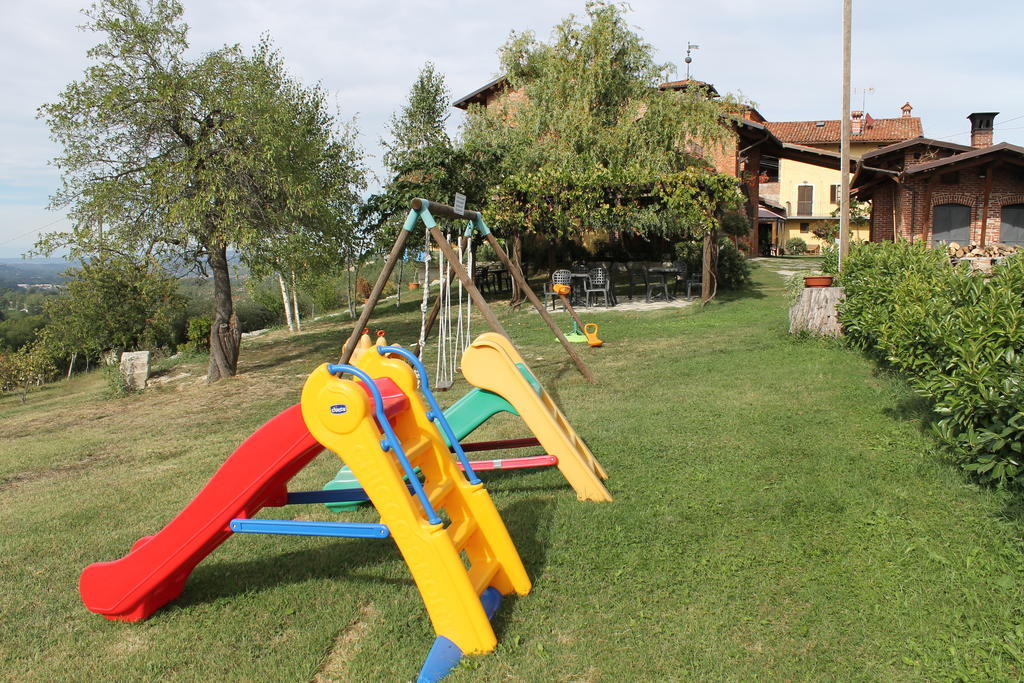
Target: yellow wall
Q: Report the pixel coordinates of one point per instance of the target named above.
(792, 174)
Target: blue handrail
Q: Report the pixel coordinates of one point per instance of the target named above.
(390, 439)
(435, 410)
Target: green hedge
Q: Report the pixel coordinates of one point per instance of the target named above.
(957, 335)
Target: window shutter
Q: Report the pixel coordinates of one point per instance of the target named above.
(805, 200)
(834, 194)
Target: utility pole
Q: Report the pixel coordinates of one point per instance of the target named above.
(844, 141)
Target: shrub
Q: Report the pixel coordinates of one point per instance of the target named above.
(197, 334)
(252, 316)
(870, 276)
(959, 338)
(117, 383)
(363, 288)
(795, 245)
(733, 267)
(830, 259)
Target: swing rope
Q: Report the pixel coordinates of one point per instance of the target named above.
(426, 292)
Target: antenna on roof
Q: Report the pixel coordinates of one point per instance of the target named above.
(864, 92)
(689, 48)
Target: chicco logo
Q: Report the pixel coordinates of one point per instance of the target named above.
(339, 409)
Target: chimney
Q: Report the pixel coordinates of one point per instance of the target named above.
(856, 122)
(906, 109)
(981, 128)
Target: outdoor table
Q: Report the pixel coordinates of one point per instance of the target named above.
(664, 272)
(579, 282)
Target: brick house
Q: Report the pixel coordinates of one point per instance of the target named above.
(945, 192)
(740, 155)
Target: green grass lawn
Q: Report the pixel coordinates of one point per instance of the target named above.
(780, 514)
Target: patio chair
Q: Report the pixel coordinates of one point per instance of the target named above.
(601, 284)
(559, 277)
(655, 283)
(482, 279)
(695, 280)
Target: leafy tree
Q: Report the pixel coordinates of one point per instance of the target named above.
(186, 159)
(419, 157)
(860, 214)
(112, 302)
(591, 142)
(19, 330)
(23, 369)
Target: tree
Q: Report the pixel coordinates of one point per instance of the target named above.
(23, 369)
(419, 156)
(860, 214)
(592, 142)
(112, 302)
(186, 159)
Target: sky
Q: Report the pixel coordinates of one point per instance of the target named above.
(947, 58)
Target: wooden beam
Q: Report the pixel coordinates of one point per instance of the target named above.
(926, 222)
(371, 303)
(443, 210)
(520, 279)
(984, 204)
(467, 282)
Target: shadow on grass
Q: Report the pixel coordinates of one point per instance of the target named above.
(529, 524)
(338, 560)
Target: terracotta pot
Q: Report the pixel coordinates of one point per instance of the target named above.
(818, 281)
(414, 285)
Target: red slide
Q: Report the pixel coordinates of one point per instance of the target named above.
(154, 572)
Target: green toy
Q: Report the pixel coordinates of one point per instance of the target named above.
(576, 334)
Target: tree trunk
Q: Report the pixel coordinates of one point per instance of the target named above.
(72, 363)
(287, 304)
(816, 312)
(295, 304)
(225, 333)
(709, 282)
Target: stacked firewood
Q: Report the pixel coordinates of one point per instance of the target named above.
(958, 251)
(980, 257)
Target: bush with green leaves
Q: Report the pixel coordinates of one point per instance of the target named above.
(733, 267)
(958, 336)
(796, 245)
(197, 334)
(870, 275)
(830, 259)
(24, 369)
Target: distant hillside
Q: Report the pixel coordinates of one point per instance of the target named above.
(15, 271)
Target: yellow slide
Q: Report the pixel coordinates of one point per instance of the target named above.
(492, 363)
(465, 550)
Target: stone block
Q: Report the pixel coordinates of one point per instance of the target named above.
(135, 369)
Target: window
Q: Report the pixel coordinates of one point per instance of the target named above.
(1011, 231)
(805, 227)
(835, 193)
(769, 169)
(951, 223)
(805, 200)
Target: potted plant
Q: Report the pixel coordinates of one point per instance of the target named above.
(818, 281)
(414, 285)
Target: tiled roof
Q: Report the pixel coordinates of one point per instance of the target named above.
(827, 132)
(688, 83)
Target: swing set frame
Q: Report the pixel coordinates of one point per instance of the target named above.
(426, 210)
